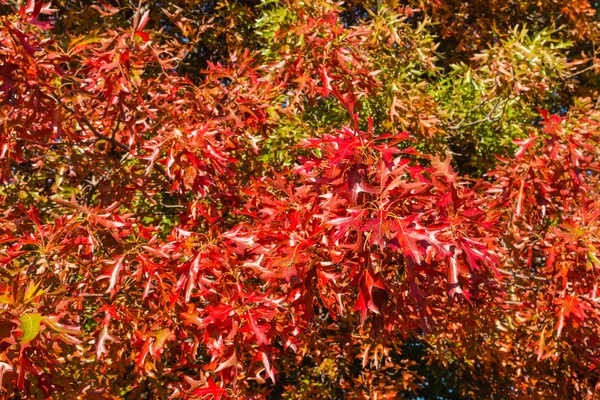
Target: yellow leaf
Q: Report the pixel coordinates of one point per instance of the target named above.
(30, 326)
(32, 291)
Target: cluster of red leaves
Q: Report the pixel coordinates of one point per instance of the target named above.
(544, 324)
(209, 302)
(551, 239)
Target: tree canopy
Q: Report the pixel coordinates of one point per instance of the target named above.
(299, 199)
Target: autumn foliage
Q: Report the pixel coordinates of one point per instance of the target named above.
(299, 199)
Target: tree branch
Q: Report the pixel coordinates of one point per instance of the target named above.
(86, 122)
(487, 118)
(521, 276)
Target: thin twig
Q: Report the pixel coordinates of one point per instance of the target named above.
(582, 71)
(521, 276)
(87, 123)
(116, 128)
(518, 303)
(487, 118)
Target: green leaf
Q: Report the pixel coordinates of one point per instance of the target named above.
(30, 326)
